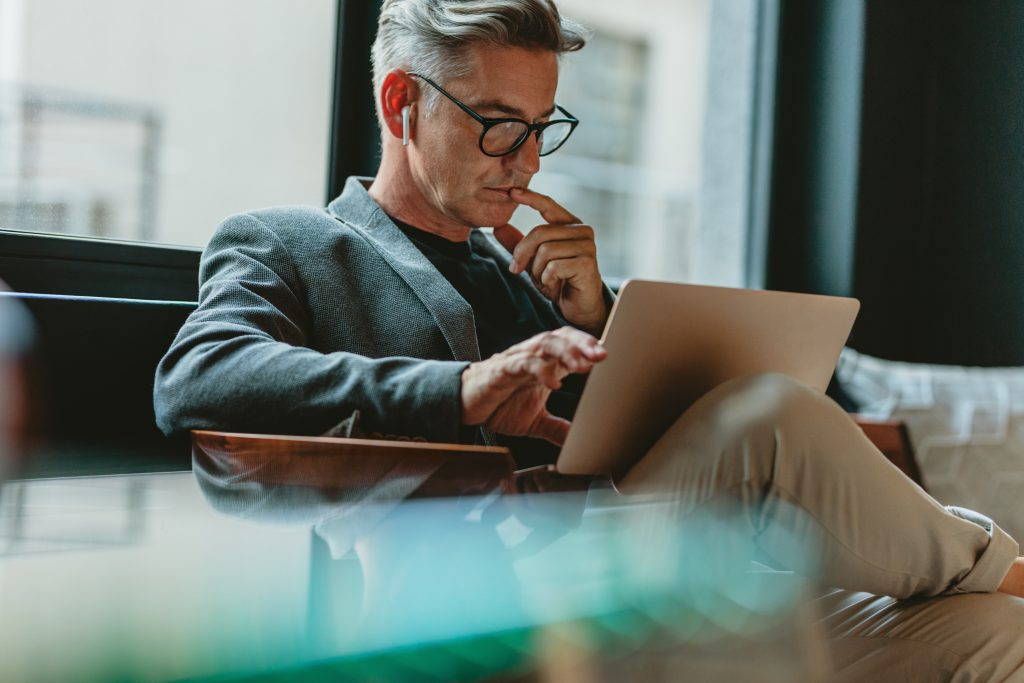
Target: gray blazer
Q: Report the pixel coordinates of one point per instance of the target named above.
(307, 315)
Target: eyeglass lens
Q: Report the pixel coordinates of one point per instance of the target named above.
(502, 138)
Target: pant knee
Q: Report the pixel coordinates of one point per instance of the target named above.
(760, 417)
(765, 401)
(738, 427)
(739, 419)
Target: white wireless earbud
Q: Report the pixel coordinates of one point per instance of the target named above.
(405, 126)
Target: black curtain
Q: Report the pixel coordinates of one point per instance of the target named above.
(899, 172)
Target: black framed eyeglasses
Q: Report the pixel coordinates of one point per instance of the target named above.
(505, 135)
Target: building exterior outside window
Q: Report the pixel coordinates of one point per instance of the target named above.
(148, 120)
(144, 119)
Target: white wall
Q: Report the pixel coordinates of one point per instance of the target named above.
(243, 89)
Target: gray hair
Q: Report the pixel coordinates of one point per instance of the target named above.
(432, 37)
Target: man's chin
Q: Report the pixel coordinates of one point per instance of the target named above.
(493, 215)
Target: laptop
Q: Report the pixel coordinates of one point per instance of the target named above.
(669, 344)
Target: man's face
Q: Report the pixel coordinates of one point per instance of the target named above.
(454, 176)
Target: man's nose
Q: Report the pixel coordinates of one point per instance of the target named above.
(526, 159)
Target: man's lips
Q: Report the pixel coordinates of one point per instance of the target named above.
(503, 190)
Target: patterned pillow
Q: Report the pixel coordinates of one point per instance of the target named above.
(966, 425)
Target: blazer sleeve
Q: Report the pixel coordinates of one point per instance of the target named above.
(240, 362)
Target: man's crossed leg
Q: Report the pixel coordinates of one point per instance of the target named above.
(805, 476)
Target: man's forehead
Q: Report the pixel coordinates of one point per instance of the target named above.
(511, 81)
(507, 109)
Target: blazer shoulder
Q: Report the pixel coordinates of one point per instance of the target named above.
(293, 226)
(284, 220)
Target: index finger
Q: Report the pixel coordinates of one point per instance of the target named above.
(573, 348)
(552, 211)
(582, 342)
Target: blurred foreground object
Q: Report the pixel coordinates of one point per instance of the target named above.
(247, 570)
(15, 341)
(616, 589)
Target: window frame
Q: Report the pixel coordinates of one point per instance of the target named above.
(89, 266)
(53, 263)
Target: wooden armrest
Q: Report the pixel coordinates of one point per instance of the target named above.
(347, 464)
(891, 437)
(454, 469)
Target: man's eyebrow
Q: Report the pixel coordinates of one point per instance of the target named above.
(499, 106)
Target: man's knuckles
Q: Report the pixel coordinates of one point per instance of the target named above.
(557, 250)
(562, 232)
(580, 255)
(550, 278)
(529, 363)
(555, 231)
(584, 231)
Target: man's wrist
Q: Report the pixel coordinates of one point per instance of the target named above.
(592, 326)
(595, 331)
(468, 390)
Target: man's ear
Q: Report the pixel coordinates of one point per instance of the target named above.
(397, 92)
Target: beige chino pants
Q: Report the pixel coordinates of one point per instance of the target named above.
(805, 476)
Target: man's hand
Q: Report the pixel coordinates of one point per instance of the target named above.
(508, 391)
(561, 257)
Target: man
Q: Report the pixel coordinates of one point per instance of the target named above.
(391, 313)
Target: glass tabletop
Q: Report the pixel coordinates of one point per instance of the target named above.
(225, 574)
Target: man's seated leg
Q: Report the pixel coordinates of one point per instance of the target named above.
(806, 478)
(813, 489)
(972, 637)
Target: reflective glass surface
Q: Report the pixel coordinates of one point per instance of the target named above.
(259, 565)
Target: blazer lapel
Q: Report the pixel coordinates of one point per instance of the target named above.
(487, 245)
(453, 315)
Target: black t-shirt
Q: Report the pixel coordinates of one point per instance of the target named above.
(505, 315)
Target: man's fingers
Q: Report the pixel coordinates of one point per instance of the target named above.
(587, 344)
(520, 372)
(564, 251)
(578, 237)
(508, 236)
(573, 348)
(525, 366)
(552, 211)
(550, 356)
(548, 371)
(551, 428)
(555, 273)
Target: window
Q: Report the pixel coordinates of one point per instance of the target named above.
(661, 162)
(146, 120)
(153, 120)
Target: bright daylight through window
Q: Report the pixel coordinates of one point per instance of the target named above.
(147, 120)
(152, 120)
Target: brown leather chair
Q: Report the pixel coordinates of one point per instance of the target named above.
(434, 470)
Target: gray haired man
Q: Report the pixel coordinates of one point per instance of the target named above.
(389, 308)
